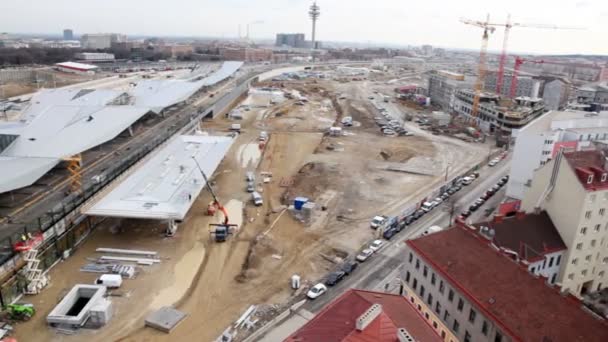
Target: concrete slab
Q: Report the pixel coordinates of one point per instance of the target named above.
(165, 319)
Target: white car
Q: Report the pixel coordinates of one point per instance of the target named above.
(316, 291)
(467, 180)
(364, 255)
(493, 162)
(376, 245)
(377, 221)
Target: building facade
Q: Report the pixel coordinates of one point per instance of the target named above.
(496, 114)
(294, 40)
(593, 93)
(526, 85)
(246, 54)
(555, 93)
(573, 189)
(100, 41)
(481, 294)
(95, 56)
(68, 34)
(442, 87)
(540, 140)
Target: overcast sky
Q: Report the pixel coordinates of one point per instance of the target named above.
(404, 22)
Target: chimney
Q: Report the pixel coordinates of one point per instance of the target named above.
(368, 316)
(404, 336)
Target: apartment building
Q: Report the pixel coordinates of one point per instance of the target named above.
(593, 93)
(573, 189)
(555, 92)
(294, 40)
(101, 40)
(496, 113)
(481, 294)
(443, 84)
(526, 85)
(539, 141)
(359, 315)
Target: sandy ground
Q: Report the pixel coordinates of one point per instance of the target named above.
(214, 283)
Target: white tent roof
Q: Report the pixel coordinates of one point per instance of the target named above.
(166, 185)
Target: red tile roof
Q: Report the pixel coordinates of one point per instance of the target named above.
(336, 322)
(532, 236)
(521, 305)
(586, 163)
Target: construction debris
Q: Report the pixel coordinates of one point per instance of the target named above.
(165, 319)
(125, 251)
(143, 261)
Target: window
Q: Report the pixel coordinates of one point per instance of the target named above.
(438, 307)
(584, 230)
(435, 324)
(407, 277)
(441, 287)
(467, 336)
(559, 259)
(415, 286)
(456, 326)
(579, 246)
(533, 269)
(460, 304)
(601, 274)
(484, 328)
(544, 263)
(421, 291)
(602, 211)
(429, 300)
(553, 278)
(571, 276)
(584, 273)
(412, 299)
(446, 315)
(551, 262)
(574, 261)
(588, 213)
(451, 295)
(498, 337)
(410, 258)
(442, 334)
(425, 271)
(432, 278)
(593, 243)
(588, 258)
(426, 315)
(605, 260)
(472, 315)
(417, 264)
(597, 227)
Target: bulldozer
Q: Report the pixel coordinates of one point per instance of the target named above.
(20, 312)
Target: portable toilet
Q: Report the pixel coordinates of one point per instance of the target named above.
(298, 202)
(295, 281)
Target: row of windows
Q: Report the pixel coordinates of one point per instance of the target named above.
(597, 227)
(590, 136)
(409, 279)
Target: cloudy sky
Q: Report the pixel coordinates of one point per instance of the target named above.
(384, 21)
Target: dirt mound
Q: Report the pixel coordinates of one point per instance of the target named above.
(312, 179)
(261, 247)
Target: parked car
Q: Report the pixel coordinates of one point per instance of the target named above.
(389, 233)
(473, 207)
(467, 180)
(364, 255)
(334, 278)
(419, 213)
(349, 267)
(493, 162)
(377, 221)
(376, 245)
(427, 206)
(250, 176)
(257, 198)
(466, 213)
(250, 186)
(445, 196)
(316, 291)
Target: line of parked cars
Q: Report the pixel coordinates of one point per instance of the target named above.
(390, 126)
(483, 198)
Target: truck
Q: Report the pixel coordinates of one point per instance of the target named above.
(111, 281)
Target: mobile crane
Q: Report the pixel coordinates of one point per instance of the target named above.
(221, 230)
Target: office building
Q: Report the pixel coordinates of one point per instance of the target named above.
(443, 85)
(100, 41)
(555, 92)
(68, 34)
(481, 293)
(573, 189)
(526, 85)
(496, 114)
(540, 140)
(359, 315)
(294, 40)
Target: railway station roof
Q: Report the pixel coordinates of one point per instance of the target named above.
(165, 185)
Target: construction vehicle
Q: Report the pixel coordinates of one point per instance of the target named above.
(221, 230)
(20, 312)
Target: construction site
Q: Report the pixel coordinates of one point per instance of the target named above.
(198, 207)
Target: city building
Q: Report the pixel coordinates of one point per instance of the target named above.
(427, 50)
(593, 93)
(94, 56)
(482, 294)
(496, 114)
(443, 85)
(99, 41)
(246, 54)
(573, 189)
(529, 238)
(68, 34)
(539, 141)
(175, 50)
(295, 40)
(526, 85)
(359, 315)
(576, 71)
(555, 92)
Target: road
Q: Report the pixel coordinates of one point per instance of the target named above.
(383, 266)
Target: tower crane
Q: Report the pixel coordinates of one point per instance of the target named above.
(518, 62)
(481, 72)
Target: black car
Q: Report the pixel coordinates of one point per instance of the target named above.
(419, 213)
(466, 214)
(505, 178)
(401, 226)
(473, 207)
(334, 278)
(348, 267)
(389, 233)
(409, 219)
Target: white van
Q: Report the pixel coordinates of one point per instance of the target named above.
(257, 198)
(112, 281)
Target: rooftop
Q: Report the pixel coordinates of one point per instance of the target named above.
(500, 288)
(77, 66)
(337, 321)
(529, 235)
(590, 166)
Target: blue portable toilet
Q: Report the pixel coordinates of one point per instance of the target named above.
(298, 202)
